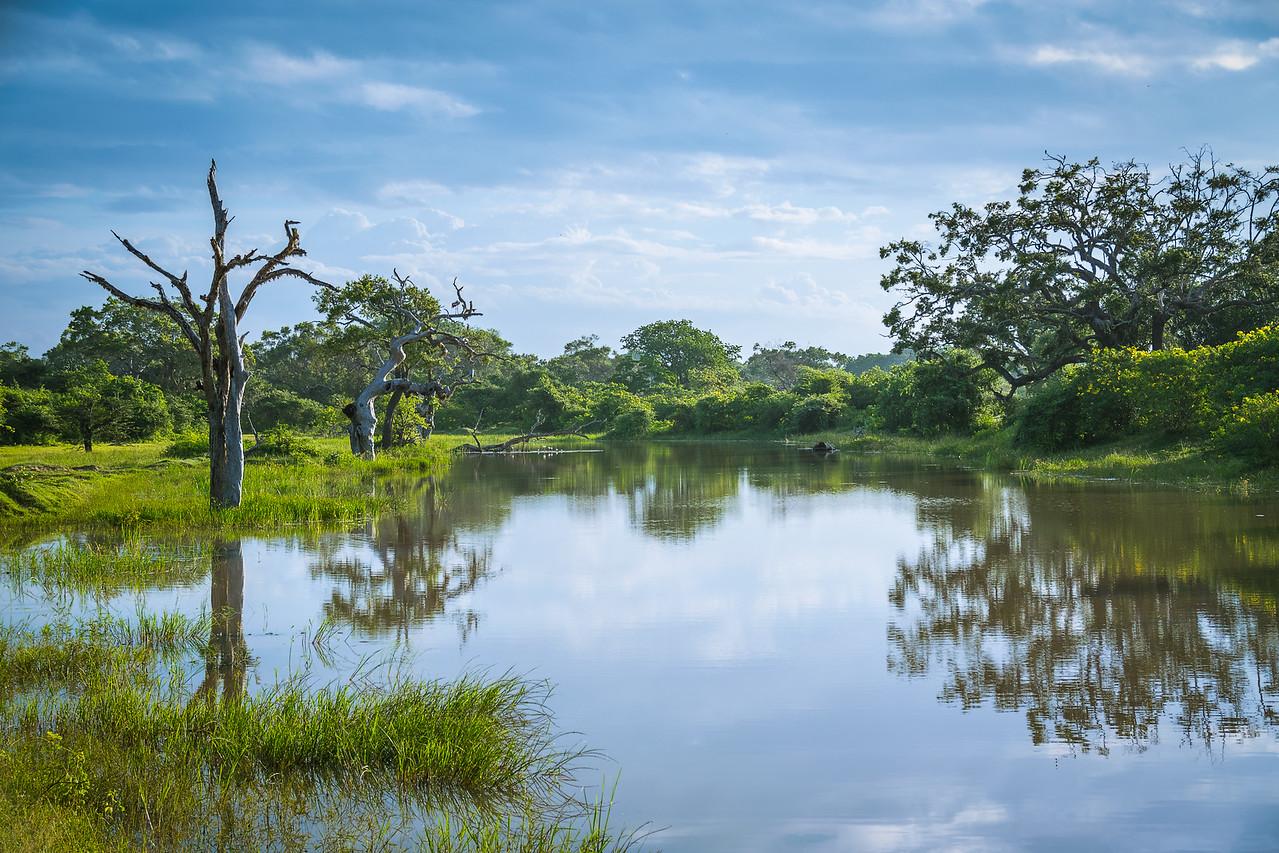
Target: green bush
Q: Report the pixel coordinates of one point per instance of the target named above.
(814, 414)
(762, 408)
(620, 413)
(285, 445)
(29, 417)
(634, 421)
(1251, 429)
(188, 445)
(716, 412)
(812, 381)
(940, 395)
(1082, 405)
(271, 407)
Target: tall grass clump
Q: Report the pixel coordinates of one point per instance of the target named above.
(101, 731)
(103, 570)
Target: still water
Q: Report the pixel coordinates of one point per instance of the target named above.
(779, 651)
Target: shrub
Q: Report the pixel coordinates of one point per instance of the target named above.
(188, 445)
(271, 407)
(633, 421)
(1251, 429)
(621, 413)
(29, 416)
(944, 394)
(814, 414)
(811, 381)
(285, 445)
(762, 408)
(716, 412)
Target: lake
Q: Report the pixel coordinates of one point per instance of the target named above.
(777, 650)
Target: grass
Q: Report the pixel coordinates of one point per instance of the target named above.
(97, 738)
(107, 742)
(90, 569)
(137, 486)
(1140, 460)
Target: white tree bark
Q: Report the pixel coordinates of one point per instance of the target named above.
(212, 329)
(363, 417)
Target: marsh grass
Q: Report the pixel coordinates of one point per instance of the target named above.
(104, 734)
(85, 568)
(136, 487)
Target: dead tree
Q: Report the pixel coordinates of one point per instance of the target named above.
(510, 444)
(211, 326)
(429, 331)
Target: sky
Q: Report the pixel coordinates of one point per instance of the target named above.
(585, 168)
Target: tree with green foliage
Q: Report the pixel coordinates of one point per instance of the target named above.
(377, 312)
(859, 364)
(132, 341)
(93, 404)
(18, 368)
(779, 366)
(583, 360)
(675, 354)
(935, 396)
(29, 417)
(1088, 257)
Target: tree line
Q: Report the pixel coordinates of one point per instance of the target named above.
(1052, 314)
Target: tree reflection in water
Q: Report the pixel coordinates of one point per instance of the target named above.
(1100, 621)
(227, 657)
(419, 568)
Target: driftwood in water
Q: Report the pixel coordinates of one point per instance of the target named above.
(823, 447)
(510, 444)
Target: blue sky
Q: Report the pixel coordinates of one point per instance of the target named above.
(586, 168)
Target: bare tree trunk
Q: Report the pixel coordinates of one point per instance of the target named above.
(363, 418)
(1158, 325)
(210, 324)
(388, 428)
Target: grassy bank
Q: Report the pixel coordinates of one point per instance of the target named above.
(1139, 460)
(139, 486)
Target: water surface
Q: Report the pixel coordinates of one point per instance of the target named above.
(781, 651)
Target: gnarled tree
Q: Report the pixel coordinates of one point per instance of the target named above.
(210, 322)
(1088, 257)
(409, 315)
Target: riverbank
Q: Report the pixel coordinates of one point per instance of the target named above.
(145, 485)
(1147, 460)
(139, 486)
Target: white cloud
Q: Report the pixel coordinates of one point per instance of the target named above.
(1237, 55)
(802, 290)
(857, 248)
(271, 65)
(1115, 61)
(399, 96)
(724, 173)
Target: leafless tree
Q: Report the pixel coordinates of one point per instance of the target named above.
(211, 326)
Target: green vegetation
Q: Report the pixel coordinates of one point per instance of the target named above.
(107, 743)
(100, 570)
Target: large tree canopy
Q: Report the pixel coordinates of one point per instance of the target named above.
(675, 353)
(132, 341)
(779, 366)
(1089, 256)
